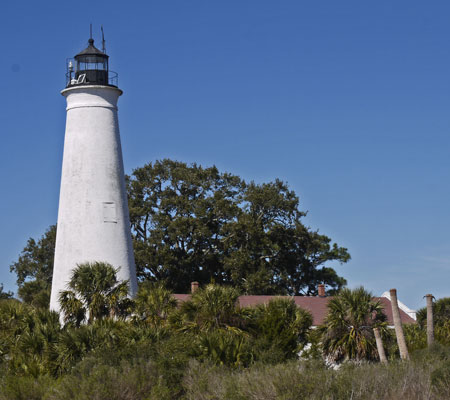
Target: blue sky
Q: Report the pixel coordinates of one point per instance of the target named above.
(346, 101)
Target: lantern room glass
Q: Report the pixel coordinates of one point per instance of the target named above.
(85, 63)
(92, 69)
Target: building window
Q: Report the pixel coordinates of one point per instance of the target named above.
(109, 212)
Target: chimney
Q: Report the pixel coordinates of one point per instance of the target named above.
(194, 286)
(321, 290)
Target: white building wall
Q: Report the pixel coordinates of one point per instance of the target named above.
(93, 218)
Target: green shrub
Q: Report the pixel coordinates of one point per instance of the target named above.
(440, 379)
(415, 336)
(280, 328)
(226, 347)
(91, 381)
(431, 355)
(441, 313)
(442, 333)
(15, 387)
(313, 381)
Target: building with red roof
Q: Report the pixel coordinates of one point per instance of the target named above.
(317, 305)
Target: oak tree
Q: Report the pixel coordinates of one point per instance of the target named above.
(34, 269)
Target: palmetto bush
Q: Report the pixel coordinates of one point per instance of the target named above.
(217, 325)
(415, 336)
(27, 338)
(210, 308)
(442, 333)
(226, 347)
(153, 305)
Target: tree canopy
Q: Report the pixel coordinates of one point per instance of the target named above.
(4, 295)
(34, 269)
(191, 223)
(197, 224)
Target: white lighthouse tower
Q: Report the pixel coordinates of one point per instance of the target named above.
(93, 218)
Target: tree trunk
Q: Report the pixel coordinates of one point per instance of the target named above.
(380, 347)
(430, 322)
(404, 355)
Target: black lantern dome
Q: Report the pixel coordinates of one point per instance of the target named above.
(91, 68)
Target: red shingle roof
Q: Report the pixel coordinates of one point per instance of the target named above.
(317, 306)
(386, 303)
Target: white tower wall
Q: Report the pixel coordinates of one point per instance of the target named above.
(93, 218)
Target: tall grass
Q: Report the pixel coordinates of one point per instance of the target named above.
(161, 375)
(427, 376)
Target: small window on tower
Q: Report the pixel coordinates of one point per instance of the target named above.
(109, 212)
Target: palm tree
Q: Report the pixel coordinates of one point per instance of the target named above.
(441, 319)
(94, 293)
(430, 320)
(210, 308)
(380, 348)
(73, 308)
(154, 303)
(404, 355)
(347, 332)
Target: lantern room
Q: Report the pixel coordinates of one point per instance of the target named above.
(91, 68)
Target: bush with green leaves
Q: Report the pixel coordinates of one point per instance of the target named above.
(5, 295)
(28, 337)
(440, 379)
(153, 305)
(415, 336)
(280, 329)
(210, 308)
(209, 348)
(17, 387)
(441, 313)
(226, 347)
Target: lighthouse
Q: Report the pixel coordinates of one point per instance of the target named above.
(93, 218)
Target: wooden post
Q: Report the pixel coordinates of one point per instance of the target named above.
(430, 322)
(380, 347)
(404, 355)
